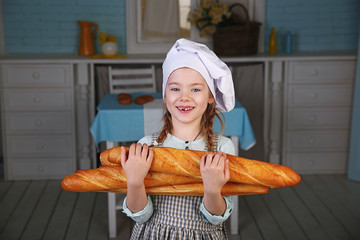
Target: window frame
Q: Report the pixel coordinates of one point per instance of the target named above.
(133, 18)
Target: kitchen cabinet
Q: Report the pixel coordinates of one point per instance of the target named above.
(38, 125)
(317, 112)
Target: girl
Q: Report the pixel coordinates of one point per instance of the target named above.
(196, 84)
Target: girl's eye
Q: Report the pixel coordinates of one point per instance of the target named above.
(175, 89)
(196, 90)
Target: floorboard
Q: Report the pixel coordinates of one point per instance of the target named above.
(40, 218)
(19, 218)
(264, 220)
(8, 205)
(283, 216)
(247, 225)
(98, 229)
(331, 226)
(61, 217)
(304, 217)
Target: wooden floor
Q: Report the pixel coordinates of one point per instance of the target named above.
(320, 207)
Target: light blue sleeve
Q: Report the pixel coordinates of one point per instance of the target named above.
(141, 216)
(214, 219)
(146, 213)
(225, 145)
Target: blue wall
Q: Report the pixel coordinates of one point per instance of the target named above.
(51, 25)
(315, 25)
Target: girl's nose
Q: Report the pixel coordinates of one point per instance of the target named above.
(185, 96)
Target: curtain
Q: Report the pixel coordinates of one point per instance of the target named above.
(161, 19)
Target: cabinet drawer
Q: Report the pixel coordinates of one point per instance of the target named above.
(317, 140)
(37, 75)
(40, 145)
(47, 99)
(327, 95)
(314, 163)
(49, 122)
(322, 72)
(318, 118)
(37, 168)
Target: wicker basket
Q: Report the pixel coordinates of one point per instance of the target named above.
(238, 39)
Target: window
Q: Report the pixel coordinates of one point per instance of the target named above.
(148, 33)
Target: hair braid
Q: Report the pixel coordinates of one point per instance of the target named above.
(207, 122)
(166, 128)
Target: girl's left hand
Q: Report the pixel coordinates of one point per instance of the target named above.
(214, 168)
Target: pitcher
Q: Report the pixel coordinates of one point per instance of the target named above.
(87, 36)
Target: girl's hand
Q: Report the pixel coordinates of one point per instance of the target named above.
(214, 168)
(137, 164)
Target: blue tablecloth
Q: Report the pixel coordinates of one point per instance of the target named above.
(122, 123)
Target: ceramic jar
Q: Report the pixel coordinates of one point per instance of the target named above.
(109, 49)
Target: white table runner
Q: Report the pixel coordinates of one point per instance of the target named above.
(153, 113)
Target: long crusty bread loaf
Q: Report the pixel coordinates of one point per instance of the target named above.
(187, 163)
(105, 178)
(197, 189)
(113, 179)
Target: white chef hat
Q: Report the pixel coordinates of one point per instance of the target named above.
(197, 56)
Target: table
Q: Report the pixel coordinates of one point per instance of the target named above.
(124, 123)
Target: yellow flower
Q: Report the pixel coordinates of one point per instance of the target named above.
(102, 37)
(211, 14)
(111, 38)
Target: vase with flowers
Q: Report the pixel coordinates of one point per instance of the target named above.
(210, 15)
(108, 43)
(233, 34)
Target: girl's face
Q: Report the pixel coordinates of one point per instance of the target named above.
(187, 96)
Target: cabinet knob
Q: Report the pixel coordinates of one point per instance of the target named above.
(312, 140)
(38, 123)
(37, 99)
(40, 169)
(311, 163)
(315, 72)
(36, 75)
(39, 146)
(312, 118)
(313, 95)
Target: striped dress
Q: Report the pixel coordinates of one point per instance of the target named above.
(178, 217)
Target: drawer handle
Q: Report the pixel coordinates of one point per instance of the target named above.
(314, 95)
(40, 169)
(36, 75)
(312, 140)
(37, 99)
(39, 146)
(311, 163)
(315, 72)
(312, 118)
(38, 123)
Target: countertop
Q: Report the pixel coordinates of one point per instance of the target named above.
(159, 58)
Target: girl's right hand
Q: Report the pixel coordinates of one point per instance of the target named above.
(137, 164)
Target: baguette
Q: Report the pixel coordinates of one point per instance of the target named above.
(187, 163)
(197, 189)
(114, 177)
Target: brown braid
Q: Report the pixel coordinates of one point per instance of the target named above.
(167, 126)
(207, 121)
